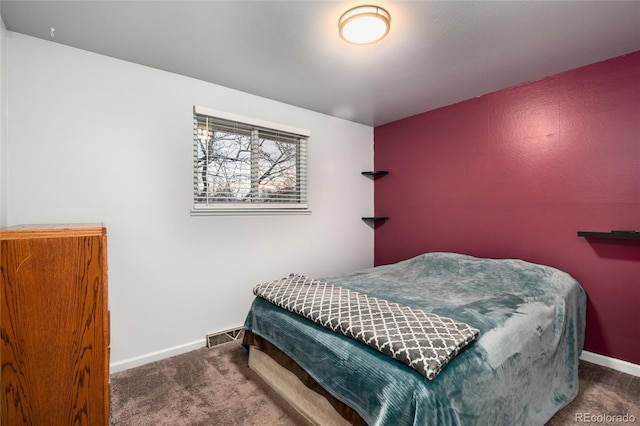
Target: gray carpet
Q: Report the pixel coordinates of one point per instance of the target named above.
(215, 387)
(202, 387)
(603, 392)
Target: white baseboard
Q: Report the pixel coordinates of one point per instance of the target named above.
(605, 361)
(155, 356)
(613, 363)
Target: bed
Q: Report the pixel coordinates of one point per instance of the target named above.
(521, 369)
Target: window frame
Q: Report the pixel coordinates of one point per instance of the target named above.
(249, 208)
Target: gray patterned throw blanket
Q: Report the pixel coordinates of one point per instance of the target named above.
(424, 341)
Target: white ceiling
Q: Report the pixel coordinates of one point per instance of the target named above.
(437, 52)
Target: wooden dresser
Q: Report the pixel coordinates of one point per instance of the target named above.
(54, 322)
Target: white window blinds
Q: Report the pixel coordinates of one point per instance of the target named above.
(247, 165)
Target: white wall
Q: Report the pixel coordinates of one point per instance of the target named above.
(3, 125)
(94, 139)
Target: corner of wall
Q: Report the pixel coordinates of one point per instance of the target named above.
(3, 125)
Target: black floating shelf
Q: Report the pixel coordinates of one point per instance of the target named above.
(613, 235)
(375, 220)
(375, 173)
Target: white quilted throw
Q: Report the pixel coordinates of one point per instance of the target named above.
(422, 340)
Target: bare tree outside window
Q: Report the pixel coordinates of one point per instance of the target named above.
(238, 164)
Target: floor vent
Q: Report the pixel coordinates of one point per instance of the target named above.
(225, 336)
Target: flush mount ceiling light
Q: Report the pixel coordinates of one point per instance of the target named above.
(364, 24)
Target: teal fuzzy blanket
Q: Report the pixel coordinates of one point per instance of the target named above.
(522, 369)
(422, 340)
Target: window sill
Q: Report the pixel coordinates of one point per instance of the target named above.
(248, 212)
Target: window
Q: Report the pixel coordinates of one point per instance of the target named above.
(250, 166)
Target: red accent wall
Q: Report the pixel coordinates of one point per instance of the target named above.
(515, 174)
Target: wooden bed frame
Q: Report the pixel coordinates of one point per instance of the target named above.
(307, 402)
(297, 387)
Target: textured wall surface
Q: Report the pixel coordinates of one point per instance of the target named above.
(514, 174)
